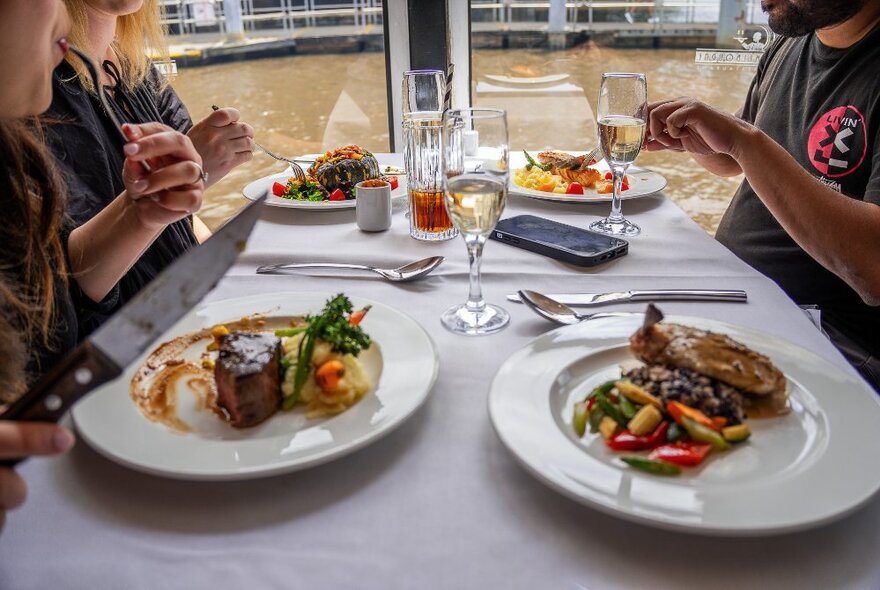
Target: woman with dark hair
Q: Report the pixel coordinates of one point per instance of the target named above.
(49, 272)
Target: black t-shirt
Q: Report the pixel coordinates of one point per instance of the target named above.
(823, 106)
(89, 153)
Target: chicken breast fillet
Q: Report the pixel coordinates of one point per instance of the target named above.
(714, 355)
(570, 168)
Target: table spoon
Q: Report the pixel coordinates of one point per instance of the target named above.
(407, 272)
(559, 313)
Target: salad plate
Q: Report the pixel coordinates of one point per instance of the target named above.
(797, 471)
(402, 362)
(642, 182)
(258, 187)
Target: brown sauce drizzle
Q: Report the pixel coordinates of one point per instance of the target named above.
(155, 384)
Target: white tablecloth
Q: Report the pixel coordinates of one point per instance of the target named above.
(439, 503)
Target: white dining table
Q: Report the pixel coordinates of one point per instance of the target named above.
(439, 502)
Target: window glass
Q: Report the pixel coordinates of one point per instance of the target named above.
(551, 94)
(331, 93)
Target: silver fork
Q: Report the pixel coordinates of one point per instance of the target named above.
(297, 170)
(594, 154)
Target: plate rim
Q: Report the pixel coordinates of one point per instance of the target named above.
(652, 520)
(257, 472)
(524, 80)
(277, 203)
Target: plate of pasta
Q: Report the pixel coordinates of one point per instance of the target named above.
(554, 175)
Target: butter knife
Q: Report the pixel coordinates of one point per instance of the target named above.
(586, 299)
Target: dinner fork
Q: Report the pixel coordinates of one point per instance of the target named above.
(594, 154)
(297, 170)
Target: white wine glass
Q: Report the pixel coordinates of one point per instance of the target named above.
(476, 167)
(623, 107)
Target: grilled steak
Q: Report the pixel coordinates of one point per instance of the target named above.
(248, 377)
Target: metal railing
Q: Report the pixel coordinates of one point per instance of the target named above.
(287, 15)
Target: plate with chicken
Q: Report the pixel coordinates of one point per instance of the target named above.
(690, 424)
(554, 175)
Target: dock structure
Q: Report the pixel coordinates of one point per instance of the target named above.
(201, 33)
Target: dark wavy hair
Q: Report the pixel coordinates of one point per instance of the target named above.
(31, 258)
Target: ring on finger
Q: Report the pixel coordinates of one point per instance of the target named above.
(203, 176)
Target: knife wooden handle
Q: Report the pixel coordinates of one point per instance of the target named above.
(77, 374)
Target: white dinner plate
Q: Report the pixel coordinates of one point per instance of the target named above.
(527, 81)
(809, 467)
(403, 358)
(642, 182)
(257, 188)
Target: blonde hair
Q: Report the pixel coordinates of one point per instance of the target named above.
(136, 35)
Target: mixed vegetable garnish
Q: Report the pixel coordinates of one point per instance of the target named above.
(630, 419)
(339, 326)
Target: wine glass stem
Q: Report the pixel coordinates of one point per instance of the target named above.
(618, 173)
(475, 302)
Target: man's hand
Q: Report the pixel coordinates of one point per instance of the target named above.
(713, 138)
(23, 439)
(223, 141)
(174, 188)
(687, 125)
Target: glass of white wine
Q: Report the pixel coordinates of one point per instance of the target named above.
(476, 159)
(623, 107)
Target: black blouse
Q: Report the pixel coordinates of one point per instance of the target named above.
(89, 151)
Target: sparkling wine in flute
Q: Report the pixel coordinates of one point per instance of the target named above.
(475, 202)
(621, 138)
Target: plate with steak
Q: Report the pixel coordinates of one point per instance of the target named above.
(262, 385)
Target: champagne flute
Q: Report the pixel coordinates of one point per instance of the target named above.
(623, 107)
(476, 167)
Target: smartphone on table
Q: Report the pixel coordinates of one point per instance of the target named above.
(557, 240)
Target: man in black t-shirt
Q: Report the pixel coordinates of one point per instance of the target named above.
(808, 141)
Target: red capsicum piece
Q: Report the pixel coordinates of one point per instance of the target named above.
(687, 453)
(627, 441)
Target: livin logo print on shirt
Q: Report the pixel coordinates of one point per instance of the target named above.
(837, 143)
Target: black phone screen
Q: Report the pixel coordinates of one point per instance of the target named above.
(558, 240)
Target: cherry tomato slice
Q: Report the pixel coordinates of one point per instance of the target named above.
(609, 176)
(574, 188)
(393, 181)
(278, 189)
(337, 195)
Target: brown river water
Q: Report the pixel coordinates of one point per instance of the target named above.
(311, 103)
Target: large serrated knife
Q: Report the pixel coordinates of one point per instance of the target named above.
(116, 344)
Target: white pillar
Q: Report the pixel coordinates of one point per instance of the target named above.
(557, 16)
(731, 19)
(234, 22)
(556, 20)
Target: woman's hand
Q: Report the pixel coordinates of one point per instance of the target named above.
(23, 439)
(173, 190)
(223, 141)
(688, 125)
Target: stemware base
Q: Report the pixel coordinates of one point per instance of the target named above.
(461, 320)
(622, 227)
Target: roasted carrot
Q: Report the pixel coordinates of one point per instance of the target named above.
(357, 316)
(327, 376)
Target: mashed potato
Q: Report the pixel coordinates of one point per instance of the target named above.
(352, 386)
(539, 180)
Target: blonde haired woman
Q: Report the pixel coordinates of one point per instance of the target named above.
(117, 35)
